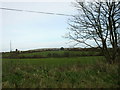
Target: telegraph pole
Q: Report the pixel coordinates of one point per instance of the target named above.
(10, 46)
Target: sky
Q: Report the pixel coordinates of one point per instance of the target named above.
(28, 30)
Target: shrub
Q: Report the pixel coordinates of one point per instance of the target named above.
(66, 54)
(61, 48)
(55, 55)
(49, 55)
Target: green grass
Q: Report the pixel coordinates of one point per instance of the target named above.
(75, 72)
(72, 53)
(51, 54)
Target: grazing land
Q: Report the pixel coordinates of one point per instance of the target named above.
(59, 71)
(52, 53)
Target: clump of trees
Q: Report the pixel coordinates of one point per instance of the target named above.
(99, 23)
(61, 48)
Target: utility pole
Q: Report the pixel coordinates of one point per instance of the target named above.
(10, 46)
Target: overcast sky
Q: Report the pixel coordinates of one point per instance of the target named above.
(28, 30)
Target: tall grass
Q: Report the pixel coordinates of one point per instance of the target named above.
(80, 72)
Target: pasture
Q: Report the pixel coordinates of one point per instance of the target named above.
(49, 54)
(64, 72)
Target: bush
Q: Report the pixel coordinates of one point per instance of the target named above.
(55, 55)
(66, 54)
(61, 48)
(49, 55)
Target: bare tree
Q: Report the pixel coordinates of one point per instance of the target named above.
(98, 22)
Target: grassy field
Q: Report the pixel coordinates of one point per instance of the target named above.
(65, 72)
(49, 54)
